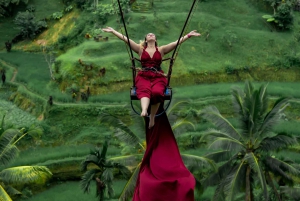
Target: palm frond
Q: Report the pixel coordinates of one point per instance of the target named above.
(123, 170)
(182, 122)
(254, 164)
(104, 149)
(2, 125)
(94, 159)
(294, 192)
(86, 179)
(129, 138)
(212, 114)
(107, 176)
(8, 151)
(282, 168)
(273, 117)
(226, 144)
(126, 160)
(8, 136)
(256, 110)
(216, 178)
(8, 154)
(219, 156)
(248, 89)
(234, 180)
(139, 125)
(12, 191)
(263, 95)
(110, 189)
(277, 142)
(198, 161)
(130, 185)
(3, 195)
(219, 194)
(238, 100)
(34, 131)
(123, 132)
(25, 174)
(177, 106)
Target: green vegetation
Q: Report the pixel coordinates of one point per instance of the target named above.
(102, 173)
(256, 40)
(64, 190)
(13, 178)
(248, 154)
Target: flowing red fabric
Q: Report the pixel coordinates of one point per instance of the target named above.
(163, 175)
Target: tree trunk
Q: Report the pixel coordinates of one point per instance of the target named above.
(248, 184)
(270, 181)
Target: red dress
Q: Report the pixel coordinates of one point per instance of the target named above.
(163, 175)
(149, 83)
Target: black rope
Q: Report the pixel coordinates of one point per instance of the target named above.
(178, 41)
(128, 41)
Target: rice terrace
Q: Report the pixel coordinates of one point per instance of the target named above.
(69, 128)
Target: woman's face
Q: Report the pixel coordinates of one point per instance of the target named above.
(150, 36)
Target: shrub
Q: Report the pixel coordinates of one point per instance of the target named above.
(57, 15)
(6, 6)
(282, 17)
(28, 25)
(30, 8)
(229, 38)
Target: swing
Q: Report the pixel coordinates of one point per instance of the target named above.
(168, 90)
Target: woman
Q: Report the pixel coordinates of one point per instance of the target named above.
(150, 81)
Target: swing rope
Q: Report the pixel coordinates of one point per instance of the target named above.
(175, 53)
(172, 59)
(128, 41)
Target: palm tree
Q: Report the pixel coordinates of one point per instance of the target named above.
(135, 140)
(248, 152)
(13, 176)
(102, 171)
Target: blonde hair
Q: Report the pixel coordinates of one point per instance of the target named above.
(143, 44)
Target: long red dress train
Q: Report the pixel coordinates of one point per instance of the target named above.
(163, 175)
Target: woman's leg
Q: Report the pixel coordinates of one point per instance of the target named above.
(145, 104)
(157, 95)
(143, 91)
(154, 109)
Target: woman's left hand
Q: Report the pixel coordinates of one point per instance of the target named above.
(194, 33)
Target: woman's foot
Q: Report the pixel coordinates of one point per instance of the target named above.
(151, 121)
(144, 113)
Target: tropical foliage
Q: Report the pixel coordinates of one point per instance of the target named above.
(101, 172)
(247, 153)
(14, 176)
(6, 6)
(134, 142)
(27, 24)
(282, 16)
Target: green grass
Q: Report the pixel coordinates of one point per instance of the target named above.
(255, 48)
(67, 191)
(46, 8)
(7, 31)
(34, 155)
(16, 116)
(34, 73)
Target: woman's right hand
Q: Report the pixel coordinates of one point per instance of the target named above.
(108, 29)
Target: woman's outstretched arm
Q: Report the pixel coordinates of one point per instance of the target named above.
(134, 46)
(171, 46)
